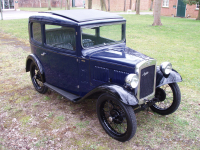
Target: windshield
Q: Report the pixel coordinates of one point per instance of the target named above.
(102, 35)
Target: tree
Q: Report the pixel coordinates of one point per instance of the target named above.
(1, 10)
(103, 5)
(61, 2)
(124, 5)
(108, 5)
(40, 3)
(192, 2)
(89, 4)
(138, 7)
(67, 5)
(49, 4)
(157, 11)
(130, 7)
(151, 5)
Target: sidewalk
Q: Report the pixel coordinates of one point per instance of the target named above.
(141, 13)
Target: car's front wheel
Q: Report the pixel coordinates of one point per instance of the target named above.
(169, 96)
(37, 79)
(117, 119)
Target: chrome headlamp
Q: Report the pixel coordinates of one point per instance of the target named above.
(132, 80)
(166, 68)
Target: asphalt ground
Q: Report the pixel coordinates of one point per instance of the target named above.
(12, 14)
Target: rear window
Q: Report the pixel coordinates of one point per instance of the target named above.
(36, 32)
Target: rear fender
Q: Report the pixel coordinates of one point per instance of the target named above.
(33, 58)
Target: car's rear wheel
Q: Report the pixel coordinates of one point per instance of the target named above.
(169, 96)
(117, 119)
(37, 79)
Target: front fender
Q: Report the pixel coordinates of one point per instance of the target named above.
(119, 92)
(162, 79)
(33, 58)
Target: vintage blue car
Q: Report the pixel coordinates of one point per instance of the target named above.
(82, 54)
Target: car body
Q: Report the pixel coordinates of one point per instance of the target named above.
(83, 53)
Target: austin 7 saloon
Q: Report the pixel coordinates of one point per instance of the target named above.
(82, 54)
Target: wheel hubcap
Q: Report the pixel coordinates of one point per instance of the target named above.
(116, 116)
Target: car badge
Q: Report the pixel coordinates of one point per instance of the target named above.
(145, 73)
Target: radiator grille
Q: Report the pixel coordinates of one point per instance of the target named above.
(147, 81)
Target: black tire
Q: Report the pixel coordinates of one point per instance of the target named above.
(37, 79)
(113, 115)
(169, 100)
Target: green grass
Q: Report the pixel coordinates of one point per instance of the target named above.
(176, 41)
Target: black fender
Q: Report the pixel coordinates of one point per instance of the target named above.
(119, 92)
(33, 58)
(162, 79)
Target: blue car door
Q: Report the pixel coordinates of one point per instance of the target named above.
(59, 58)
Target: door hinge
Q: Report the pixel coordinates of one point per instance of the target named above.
(76, 33)
(78, 86)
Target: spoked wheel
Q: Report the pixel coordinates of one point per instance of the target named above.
(169, 96)
(37, 79)
(117, 119)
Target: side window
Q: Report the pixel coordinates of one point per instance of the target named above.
(36, 30)
(60, 37)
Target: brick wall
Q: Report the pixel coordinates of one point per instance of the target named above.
(118, 5)
(169, 11)
(44, 3)
(79, 3)
(191, 11)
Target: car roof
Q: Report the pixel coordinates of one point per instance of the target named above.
(84, 15)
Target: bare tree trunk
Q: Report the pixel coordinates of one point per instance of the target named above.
(49, 4)
(67, 5)
(157, 11)
(40, 3)
(130, 7)
(108, 5)
(138, 7)
(104, 2)
(151, 5)
(1, 11)
(103, 5)
(198, 18)
(124, 5)
(135, 4)
(89, 4)
(61, 3)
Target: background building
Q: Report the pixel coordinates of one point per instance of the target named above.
(7, 4)
(179, 9)
(54, 3)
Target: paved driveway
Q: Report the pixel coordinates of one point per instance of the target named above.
(11, 14)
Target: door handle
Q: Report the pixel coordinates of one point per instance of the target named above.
(43, 54)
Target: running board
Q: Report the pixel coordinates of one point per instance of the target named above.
(67, 95)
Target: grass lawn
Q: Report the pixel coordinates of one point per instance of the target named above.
(50, 118)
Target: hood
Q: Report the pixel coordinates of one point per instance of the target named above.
(119, 55)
